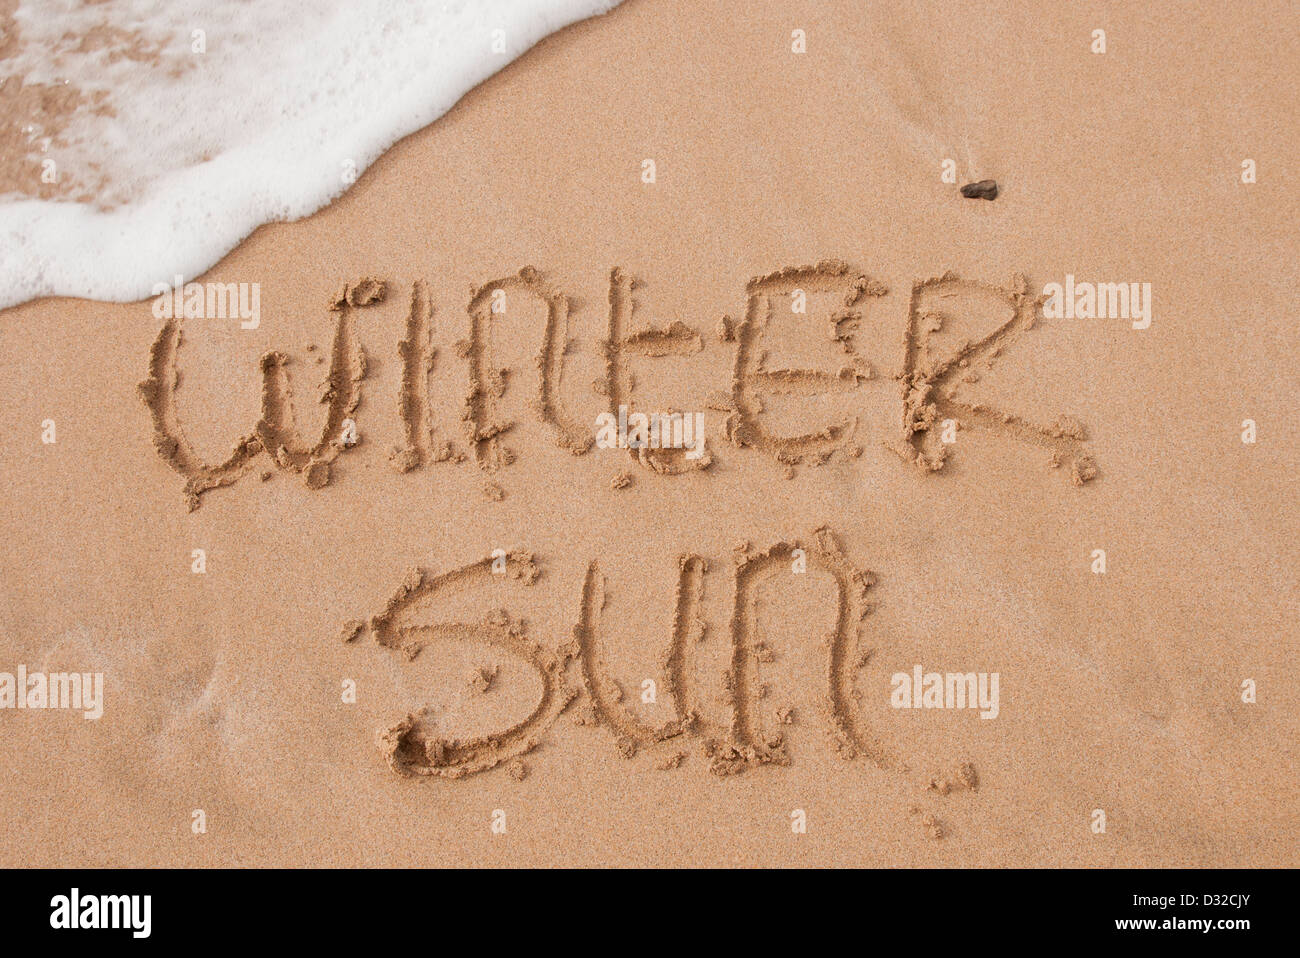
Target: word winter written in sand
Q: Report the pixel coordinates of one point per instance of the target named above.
(934, 368)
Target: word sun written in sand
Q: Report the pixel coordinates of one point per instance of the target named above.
(418, 616)
(934, 367)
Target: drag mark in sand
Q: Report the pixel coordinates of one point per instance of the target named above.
(931, 378)
(488, 382)
(676, 339)
(751, 376)
(412, 749)
(158, 393)
(689, 630)
(276, 432)
(929, 384)
(729, 748)
(750, 742)
(341, 395)
(604, 693)
(417, 355)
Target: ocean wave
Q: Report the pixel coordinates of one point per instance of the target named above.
(140, 140)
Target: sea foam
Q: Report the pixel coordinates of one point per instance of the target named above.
(173, 145)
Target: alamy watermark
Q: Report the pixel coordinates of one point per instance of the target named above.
(182, 300)
(82, 691)
(1071, 300)
(946, 690)
(658, 430)
(75, 910)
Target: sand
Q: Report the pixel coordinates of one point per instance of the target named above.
(438, 624)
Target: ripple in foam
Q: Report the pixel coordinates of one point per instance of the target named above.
(189, 124)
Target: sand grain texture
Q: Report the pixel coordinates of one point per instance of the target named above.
(775, 172)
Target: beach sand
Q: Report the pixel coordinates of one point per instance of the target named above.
(501, 716)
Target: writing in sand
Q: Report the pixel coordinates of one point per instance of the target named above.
(428, 610)
(935, 364)
(937, 358)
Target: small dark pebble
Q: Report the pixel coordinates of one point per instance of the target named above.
(983, 190)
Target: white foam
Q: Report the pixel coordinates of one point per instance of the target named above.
(286, 106)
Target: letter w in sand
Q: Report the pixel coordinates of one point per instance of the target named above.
(276, 432)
